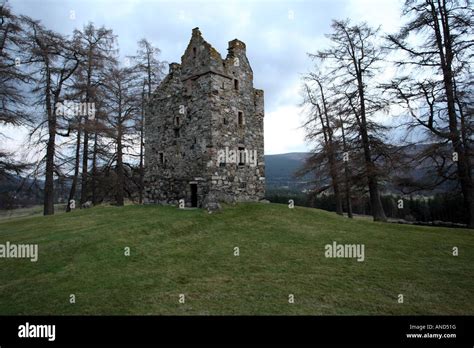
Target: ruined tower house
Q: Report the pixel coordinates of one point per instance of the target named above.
(204, 130)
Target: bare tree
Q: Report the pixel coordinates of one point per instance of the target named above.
(352, 61)
(322, 114)
(12, 82)
(97, 48)
(55, 60)
(122, 105)
(437, 44)
(151, 70)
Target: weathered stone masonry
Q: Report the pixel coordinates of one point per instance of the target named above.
(203, 126)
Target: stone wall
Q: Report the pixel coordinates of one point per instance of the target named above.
(205, 118)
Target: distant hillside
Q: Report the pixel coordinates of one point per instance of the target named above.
(280, 169)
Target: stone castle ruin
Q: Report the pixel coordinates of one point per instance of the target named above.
(204, 130)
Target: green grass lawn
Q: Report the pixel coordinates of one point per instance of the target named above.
(31, 211)
(191, 252)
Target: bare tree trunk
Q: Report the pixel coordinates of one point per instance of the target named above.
(444, 40)
(347, 178)
(348, 191)
(49, 176)
(72, 191)
(120, 174)
(375, 203)
(85, 156)
(48, 208)
(333, 170)
(94, 169)
(142, 145)
(142, 172)
(327, 130)
(85, 160)
(337, 196)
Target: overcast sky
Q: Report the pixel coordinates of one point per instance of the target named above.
(278, 35)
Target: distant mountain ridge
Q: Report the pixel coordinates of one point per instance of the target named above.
(280, 169)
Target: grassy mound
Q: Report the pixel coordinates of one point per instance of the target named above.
(191, 252)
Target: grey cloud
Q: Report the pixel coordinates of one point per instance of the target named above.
(276, 43)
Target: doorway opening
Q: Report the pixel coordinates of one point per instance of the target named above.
(194, 197)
